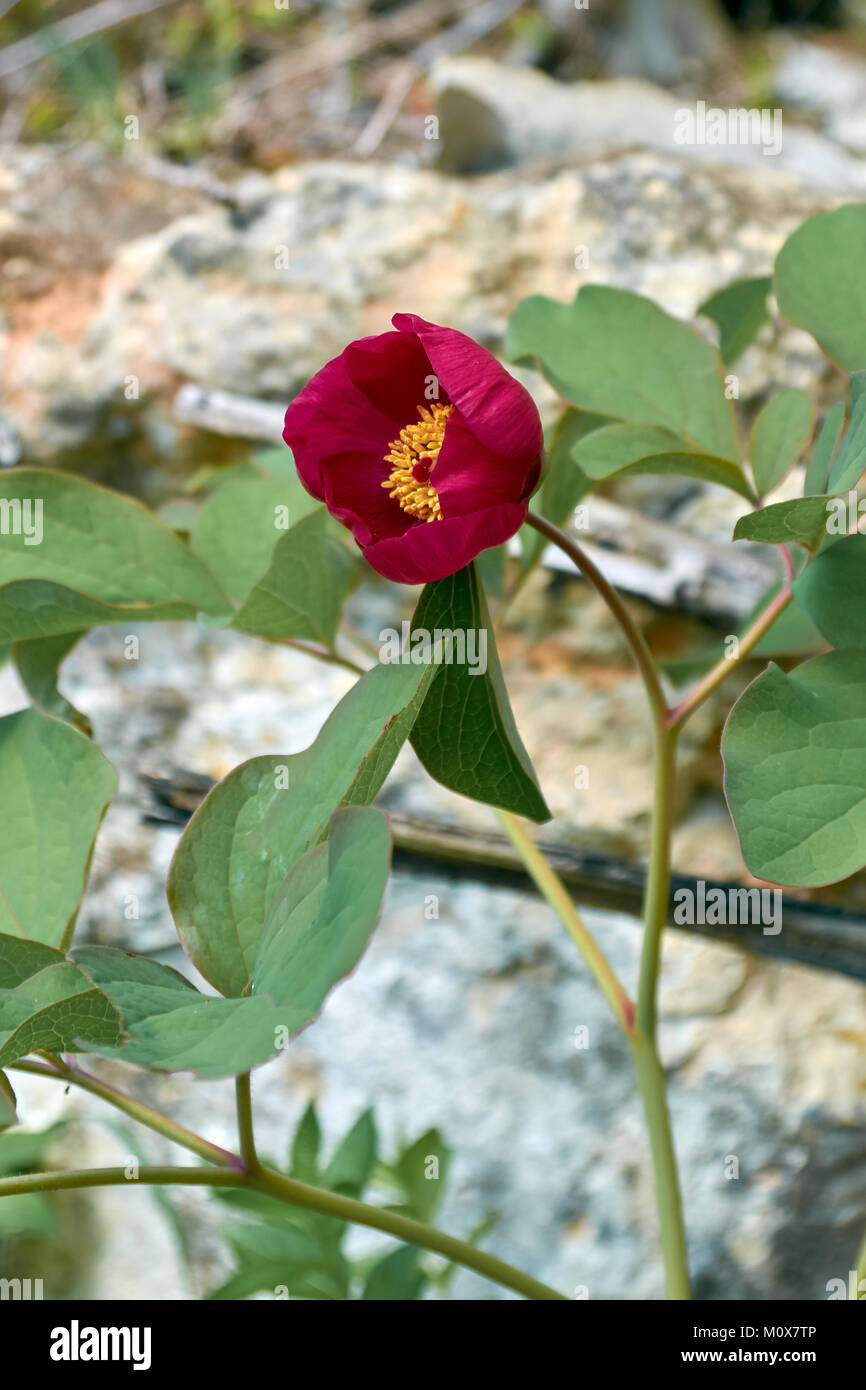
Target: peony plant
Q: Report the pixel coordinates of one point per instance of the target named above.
(428, 451)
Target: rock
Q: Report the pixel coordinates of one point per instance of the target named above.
(492, 116)
(254, 298)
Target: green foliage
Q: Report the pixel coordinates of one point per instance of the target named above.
(465, 735)
(819, 282)
(740, 310)
(60, 785)
(617, 354)
(289, 1252)
(780, 434)
(27, 1214)
(794, 749)
(254, 826)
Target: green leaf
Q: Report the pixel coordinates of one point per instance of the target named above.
(421, 1170)
(323, 914)
(851, 458)
(236, 530)
(89, 555)
(59, 784)
(740, 310)
(618, 354)
(303, 591)
(819, 282)
(818, 471)
(564, 482)
(254, 825)
(628, 449)
(8, 1103)
(792, 634)
(466, 736)
(802, 519)
(354, 1159)
(38, 661)
(271, 1257)
(55, 1010)
(320, 923)
(832, 589)
(780, 434)
(397, 1277)
(794, 749)
(304, 1157)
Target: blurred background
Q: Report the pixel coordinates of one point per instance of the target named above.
(200, 203)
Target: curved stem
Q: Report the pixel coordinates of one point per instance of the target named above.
(650, 1072)
(554, 890)
(296, 1194)
(658, 881)
(243, 1095)
(403, 1227)
(150, 1175)
(73, 1075)
(723, 668)
(642, 1025)
(630, 631)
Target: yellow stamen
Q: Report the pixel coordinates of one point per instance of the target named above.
(413, 457)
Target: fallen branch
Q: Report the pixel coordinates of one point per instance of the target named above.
(812, 933)
(650, 559)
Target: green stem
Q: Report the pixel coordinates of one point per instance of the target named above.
(73, 1075)
(650, 1073)
(243, 1096)
(630, 631)
(723, 668)
(861, 1268)
(642, 1027)
(672, 1233)
(297, 1194)
(551, 886)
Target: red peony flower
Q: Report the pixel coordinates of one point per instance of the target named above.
(422, 444)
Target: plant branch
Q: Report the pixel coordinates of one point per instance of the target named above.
(71, 1074)
(296, 1194)
(243, 1095)
(630, 631)
(553, 889)
(650, 1072)
(723, 668)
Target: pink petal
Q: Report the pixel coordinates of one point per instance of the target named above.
(433, 550)
(469, 477)
(353, 494)
(332, 416)
(391, 370)
(499, 411)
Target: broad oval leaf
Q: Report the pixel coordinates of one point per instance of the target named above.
(250, 830)
(832, 589)
(93, 551)
(780, 434)
(820, 285)
(465, 735)
(794, 749)
(237, 527)
(56, 786)
(740, 310)
(302, 593)
(618, 354)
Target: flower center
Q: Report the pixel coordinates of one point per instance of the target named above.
(413, 457)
